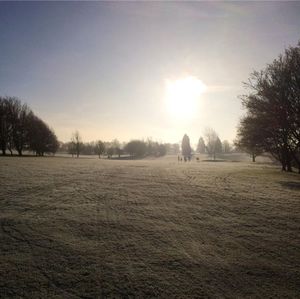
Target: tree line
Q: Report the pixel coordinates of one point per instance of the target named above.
(271, 123)
(210, 144)
(272, 103)
(21, 129)
(134, 148)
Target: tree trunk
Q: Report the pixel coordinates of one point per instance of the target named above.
(296, 158)
(288, 160)
(283, 159)
(283, 164)
(289, 166)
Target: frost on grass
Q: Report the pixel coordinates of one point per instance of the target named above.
(149, 228)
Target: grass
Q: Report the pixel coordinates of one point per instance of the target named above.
(93, 228)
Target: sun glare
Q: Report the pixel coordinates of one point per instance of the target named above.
(182, 97)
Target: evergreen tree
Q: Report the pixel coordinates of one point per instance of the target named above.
(186, 147)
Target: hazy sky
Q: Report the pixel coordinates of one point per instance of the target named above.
(102, 67)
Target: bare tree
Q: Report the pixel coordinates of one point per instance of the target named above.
(218, 146)
(273, 109)
(213, 142)
(41, 139)
(21, 129)
(110, 152)
(4, 125)
(76, 142)
(100, 148)
(116, 145)
(249, 138)
(14, 131)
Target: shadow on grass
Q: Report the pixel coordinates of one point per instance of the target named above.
(291, 185)
(126, 158)
(217, 160)
(24, 156)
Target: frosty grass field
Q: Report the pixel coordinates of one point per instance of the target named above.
(93, 228)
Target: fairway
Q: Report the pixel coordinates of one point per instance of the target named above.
(93, 228)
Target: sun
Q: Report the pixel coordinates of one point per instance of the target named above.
(182, 97)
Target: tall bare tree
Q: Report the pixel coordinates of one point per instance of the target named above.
(14, 119)
(116, 145)
(249, 138)
(41, 139)
(21, 129)
(213, 142)
(272, 121)
(76, 143)
(4, 125)
(100, 148)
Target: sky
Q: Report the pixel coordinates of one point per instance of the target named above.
(103, 68)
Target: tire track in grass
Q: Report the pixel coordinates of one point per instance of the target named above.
(112, 217)
(91, 196)
(222, 182)
(189, 235)
(107, 227)
(217, 181)
(102, 232)
(161, 175)
(21, 238)
(140, 194)
(131, 178)
(184, 261)
(134, 185)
